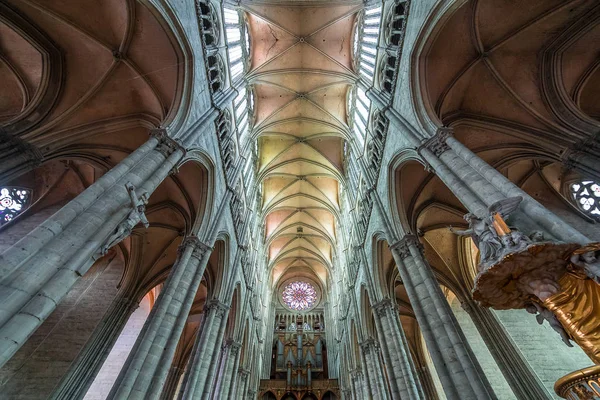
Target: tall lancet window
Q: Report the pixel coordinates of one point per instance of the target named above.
(13, 201)
(587, 195)
(360, 106)
(366, 40)
(233, 32)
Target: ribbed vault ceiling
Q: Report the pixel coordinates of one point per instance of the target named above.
(301, 70)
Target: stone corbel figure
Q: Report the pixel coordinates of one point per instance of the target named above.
(136, 215)
(587, 259)
(490, 233)
(543, 314)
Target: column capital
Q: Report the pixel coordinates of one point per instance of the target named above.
(437, 143)
(402, 245)
(166, 145)
(368, 345)
(217, 306)
(233, 345)
(199, 248)
(382, 306)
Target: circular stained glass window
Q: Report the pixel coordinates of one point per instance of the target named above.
(299, 295)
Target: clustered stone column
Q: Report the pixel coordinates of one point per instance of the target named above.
(198, 377)
(40, 269)
(230, 358)
(145, 371)
(374, 369)
(402, 373)
(460, 373)
(359, 387)
(242, 386)
(172, 382)
(478, 185)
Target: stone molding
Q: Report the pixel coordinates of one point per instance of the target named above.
(402, 245)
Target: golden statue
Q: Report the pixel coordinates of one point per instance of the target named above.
(577, 305)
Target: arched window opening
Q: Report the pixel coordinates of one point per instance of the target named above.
(13, 201)
(395, 24)
(586, 195)
(387, 73)
(368, 36)
(227, 143)
(243, 107)
(377, 142)
(233, 34)
(360, 106)
(208, 20)
(216, 73)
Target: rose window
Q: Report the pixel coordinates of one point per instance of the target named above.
(13, 201)
(299, 296)
(587, 196)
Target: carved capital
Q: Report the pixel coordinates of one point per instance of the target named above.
(437, 143)
(166, 145)
(369, 345)
(382, 307)
(217, 307)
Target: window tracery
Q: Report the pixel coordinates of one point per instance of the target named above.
(13, 201)
(587, 196)
(299, 296)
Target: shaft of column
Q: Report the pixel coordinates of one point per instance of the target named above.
(64, 247)
(190, 377)
(227, 381)
(203, 359)
(465, 374)
(16, 255)
(170, 342)
(171, 384)
(404, 371)
(212, 369)
(369, 380)
(553, 224)
(392, 370)
(457, 185)
(146, 368)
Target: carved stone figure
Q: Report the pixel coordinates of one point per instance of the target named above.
(491, 235)
(537, 237)
(587, 259)
(136, 215)
(542, 313)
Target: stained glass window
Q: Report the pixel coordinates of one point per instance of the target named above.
(299, 295)
(587, 195)
(13, 201)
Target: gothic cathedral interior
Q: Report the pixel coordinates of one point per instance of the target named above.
(299, 199)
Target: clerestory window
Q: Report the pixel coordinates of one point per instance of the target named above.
(233, 33)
